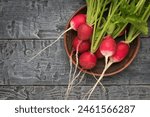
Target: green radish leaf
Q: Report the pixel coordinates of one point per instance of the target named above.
(111, 28)
(127, 9)
(139, 24)
(117, 19)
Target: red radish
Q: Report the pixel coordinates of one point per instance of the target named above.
(121, 52)
(83, 45)
(108, 47)
(87, 60)
(75, 22)
(85, 31)
(98, 54)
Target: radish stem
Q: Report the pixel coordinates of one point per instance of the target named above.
(103, 31)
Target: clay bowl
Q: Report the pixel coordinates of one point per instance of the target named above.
(115, 68)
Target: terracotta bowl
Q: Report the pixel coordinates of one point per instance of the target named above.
(115, 68)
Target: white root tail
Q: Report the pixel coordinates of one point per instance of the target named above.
(49, 45)
(70, 63)
(100, 78)
(70, 73)
(72, 82)
(100, 83)
(81, 79)
(74, 77)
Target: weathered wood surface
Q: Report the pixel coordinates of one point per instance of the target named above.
(44, 20)
(29, 18)
(58, 92)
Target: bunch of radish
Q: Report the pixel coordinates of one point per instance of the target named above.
(116, 52)
(97, 31)
(102, 41)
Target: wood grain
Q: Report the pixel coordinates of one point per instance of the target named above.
(29, 18)
(125, 92)
(27, 26)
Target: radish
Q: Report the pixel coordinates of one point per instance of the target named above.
(121, 52)
(87, 60)
(80, 47)
(83, 45)
(108, 47)
(85, 31)
(75, 22)
(94, 7)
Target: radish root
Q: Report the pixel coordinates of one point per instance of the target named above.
(74, 77)
(49, 45)
(70, 73)
(81, 79)
(77, 60)
(104, 89)
(99, 79)
(70, 62)
(91, 88)
(70, 85)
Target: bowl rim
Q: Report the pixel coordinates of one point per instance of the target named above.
(90, 72)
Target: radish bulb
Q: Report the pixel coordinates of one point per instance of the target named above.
(121, 52)
(83, 47)
(85, 32)
(87, 60)
(75, 22)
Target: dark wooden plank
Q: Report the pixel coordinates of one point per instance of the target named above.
(124, 92)
(134, 92)
(27, 18)
(52, 66)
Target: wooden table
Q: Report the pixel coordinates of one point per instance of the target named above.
(46, 77)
